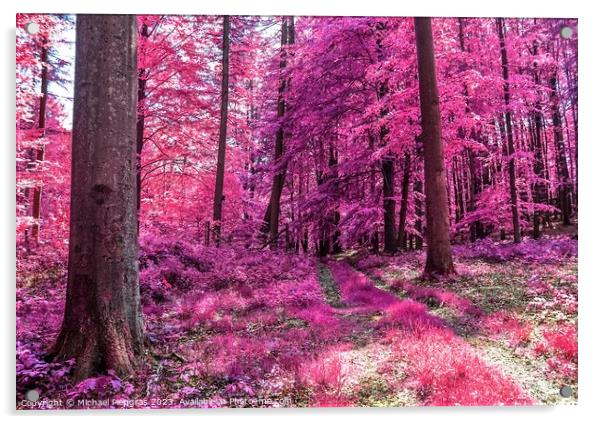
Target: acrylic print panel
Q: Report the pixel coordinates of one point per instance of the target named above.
(293, 211)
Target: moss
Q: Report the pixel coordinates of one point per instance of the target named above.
(329, 287)
(375, 392)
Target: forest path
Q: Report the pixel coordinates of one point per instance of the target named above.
(467, 321)
(439, 365)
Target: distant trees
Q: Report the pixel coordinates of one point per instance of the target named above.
(321, 136)
(38, 117)
(102, 326)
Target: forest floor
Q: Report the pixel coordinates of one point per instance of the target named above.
(232, 328)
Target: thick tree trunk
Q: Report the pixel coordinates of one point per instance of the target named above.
(509, 133)
(36, 205)
(439, 256)
(218, 199)
(102, 326)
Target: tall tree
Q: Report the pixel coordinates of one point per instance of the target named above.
(272, 215)
(539, 187)
(438, 256)
(142, 76)
(102, 326)
(36, 206)
(509, 132)
(562, 171)
(218, 199)
(388, 160)
(403, 209)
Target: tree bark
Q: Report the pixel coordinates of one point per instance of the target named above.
(509, 133)
(36, 205)
(218, 199)
(439, 256)
(272, 215)
(539, 188)
(142, 74)
(561, 156)
(388, 160)
(403, 209)
(390, 238)
(102, 326)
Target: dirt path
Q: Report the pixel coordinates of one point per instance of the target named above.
(527, 372)
(421, 357)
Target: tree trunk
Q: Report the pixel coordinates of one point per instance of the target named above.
(439, 256)
(388, 160)
(390, 238)
(142, 74)
(102, 326)
(218, 199)
(272, 215)
(509, 134)
(539, 189)
(36, 206)
(417, 239)
(403, 209)
(561, 156)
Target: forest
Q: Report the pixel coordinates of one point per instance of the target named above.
(295, 211)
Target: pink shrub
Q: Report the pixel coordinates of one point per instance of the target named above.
(563, 340)
(439, 296)
(545, 250)
(326, 371)
(330, 400)
(410, 316)
(326, 375)
(358, 291)
(507, 325)
(446, 371)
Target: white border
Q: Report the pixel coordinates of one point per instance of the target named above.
(590, 160)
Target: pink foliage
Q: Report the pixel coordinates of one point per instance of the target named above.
(563, 340)
(446, 371)
(439, 296)
(241, 321)
(507, 325)
(443, 368)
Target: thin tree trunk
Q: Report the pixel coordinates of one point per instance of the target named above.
(102, 326)
(36, 206)
(335, 218)
(439, 256)
(476, 228)
(538, 165)
(218, 199)
(388, 160)
(390, 238)
(272, 215)
(509, 134)
(142, 74)
(403, 209)
(561, 157)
